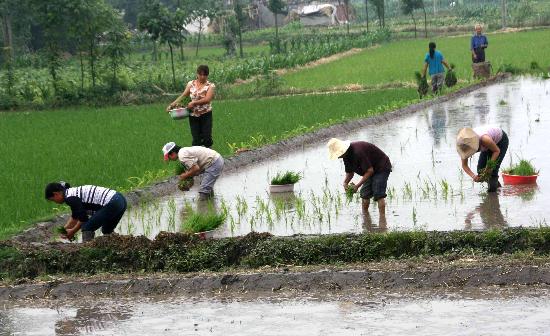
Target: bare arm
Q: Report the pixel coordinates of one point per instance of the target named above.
(193, 171)
(424, 69)
(491, 145)
(446, 64)
(348, 178)
(176, 102)
(71, 223)
(206, 100)
(364, 178)
(72, 231)
(467, 169)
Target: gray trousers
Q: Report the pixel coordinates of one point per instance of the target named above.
(437, 81)
(210, 175)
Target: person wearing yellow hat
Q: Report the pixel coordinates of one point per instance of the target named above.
(368, 161)
(491, 142)
(197, 160)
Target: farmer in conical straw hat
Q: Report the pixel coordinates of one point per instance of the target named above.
(368, 161)
(491, 142)
(197, 160)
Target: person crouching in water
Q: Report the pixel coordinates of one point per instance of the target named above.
(368, 161)
(491, 142)
(108, 206)
(197, 160)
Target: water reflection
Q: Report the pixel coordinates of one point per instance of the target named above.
(489, 212)
(437, 123)
(370, 226)
(6, 324)
(481, 108)
(90, 320)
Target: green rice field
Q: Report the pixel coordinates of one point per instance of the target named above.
(397, 61)
(108, 146)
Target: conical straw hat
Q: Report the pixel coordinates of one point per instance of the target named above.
(337, 148)
(467, 142)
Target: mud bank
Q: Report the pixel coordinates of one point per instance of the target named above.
(426, 274)
(42, 232)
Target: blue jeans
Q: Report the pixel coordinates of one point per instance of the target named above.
(375, 186)
(107, 218)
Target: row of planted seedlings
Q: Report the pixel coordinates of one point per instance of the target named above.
(305, 210)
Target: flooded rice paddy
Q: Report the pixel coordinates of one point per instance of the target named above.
(426, 190)
(476, 313)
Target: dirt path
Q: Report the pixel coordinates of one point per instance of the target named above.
(42, 232)
(425, 274)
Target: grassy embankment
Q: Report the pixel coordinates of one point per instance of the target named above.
(186, 253)
(106, 146)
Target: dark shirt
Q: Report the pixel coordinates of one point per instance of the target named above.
(362, 155)
(478, 41)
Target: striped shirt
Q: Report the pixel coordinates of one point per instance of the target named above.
(87, 197)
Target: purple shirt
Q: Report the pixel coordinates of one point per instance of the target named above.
(362, 155)
(495, 133)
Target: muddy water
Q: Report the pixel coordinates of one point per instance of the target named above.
(477, 313)
(426, 190)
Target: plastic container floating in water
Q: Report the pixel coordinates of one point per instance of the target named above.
(180, 113)
(206, 234)
(281, 188)
(518, 179)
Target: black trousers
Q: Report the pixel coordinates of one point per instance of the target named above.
(480, 55)
(486, 155)
(201, 130)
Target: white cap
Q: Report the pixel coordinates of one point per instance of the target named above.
(167, 148)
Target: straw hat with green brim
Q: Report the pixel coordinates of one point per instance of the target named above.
(337, 148)
(467, 142)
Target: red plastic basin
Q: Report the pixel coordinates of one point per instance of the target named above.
(517, 179)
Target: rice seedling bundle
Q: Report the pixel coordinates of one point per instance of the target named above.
(184, 184)
(450, 77)
(350, 191)
(61, 230)
(288, 177)
(198, 222)
(523, 168)
(485, 174)
(422, 84)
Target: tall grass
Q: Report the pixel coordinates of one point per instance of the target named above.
(107, 146)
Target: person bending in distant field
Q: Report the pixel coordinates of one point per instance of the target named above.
(197, 160)
(478, 44)
(201, 92)
(368, 161)
(435, 61)
(108, 206)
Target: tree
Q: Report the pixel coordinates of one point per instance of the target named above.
(408, 7)
(241, 18)
(117, 44)
(276, 7)
(367, 13)
(149, 20)
(201, 10)
(380, 12)
(172, 33)
(6, 12)
(346, 4)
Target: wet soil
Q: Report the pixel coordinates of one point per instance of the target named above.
(413, 274)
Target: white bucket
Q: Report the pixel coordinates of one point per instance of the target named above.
(179, 113)
(280, 188)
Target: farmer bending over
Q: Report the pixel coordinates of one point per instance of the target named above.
(108, 206)
(491, 142)
(371, 163)
(197, 160)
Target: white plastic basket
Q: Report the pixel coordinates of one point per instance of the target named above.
(180, 113)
